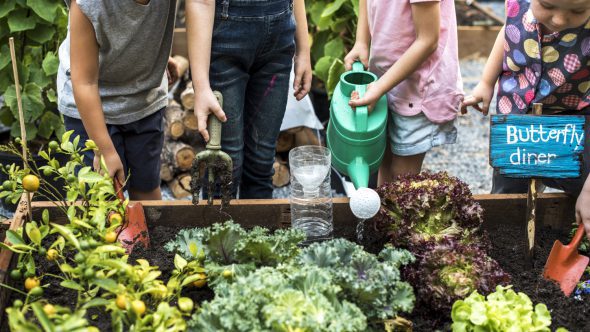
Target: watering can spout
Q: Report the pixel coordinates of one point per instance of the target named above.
(358, 170)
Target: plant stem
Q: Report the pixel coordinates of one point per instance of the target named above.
(13, 289)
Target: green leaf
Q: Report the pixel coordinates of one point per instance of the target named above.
(30, 128)
(32, 101)
(97, 302)
(14, 237)
(332, 8)
(51, 96)
(46, 9)
(33, 233)
(179, 262)
(90, 177)
(38, 76)
(334, 48)
(42, 317)
(336, 70)
(107, 284)
(67, 234)
(72, 285)
(6, 6)
(322, 68)
(191, 279)
(110, 249)
(50, 123)
(50, 64)
(4, 56)
(41, 34)
(20, 20)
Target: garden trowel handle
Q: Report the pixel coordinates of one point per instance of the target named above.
(361, 115)
(214, 126)
(578, 236)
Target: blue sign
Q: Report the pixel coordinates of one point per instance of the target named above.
(544, 146)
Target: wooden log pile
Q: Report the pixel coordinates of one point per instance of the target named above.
(182, 141)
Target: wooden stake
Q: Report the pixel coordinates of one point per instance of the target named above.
(21, 118)
(531, 208)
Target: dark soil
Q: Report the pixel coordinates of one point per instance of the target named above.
(468, 15)
(508, 249)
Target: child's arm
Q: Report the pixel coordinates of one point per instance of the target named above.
(484, 90)
(302, 61)
(360, 50)
(84, 71)
(426, 17)
(200, 16)
(583, 207)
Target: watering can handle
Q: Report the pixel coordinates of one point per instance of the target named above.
(358, 66)
(361, 115)
(214, 126)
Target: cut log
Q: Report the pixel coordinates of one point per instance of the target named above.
(166, 172)
(180, 185)
(187, 97)
(178, 154)
(306, 136)
(174, 124)
(282, 175)
(285, 142)
(181, 64)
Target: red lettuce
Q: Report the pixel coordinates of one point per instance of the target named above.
(448, 270)
(429, 206)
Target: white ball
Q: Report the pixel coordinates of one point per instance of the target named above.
(365, 203)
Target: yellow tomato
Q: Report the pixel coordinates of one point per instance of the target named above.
(31, 283)
(49, 309)
(138, 307)
(52, 255)
(121, 301)
(110, 237)
(115, 218)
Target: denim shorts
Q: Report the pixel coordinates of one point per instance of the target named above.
(412, 135)
(139, 144)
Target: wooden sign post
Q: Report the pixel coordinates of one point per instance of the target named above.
(536, 146)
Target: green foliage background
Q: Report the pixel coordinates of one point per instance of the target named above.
(332, 28)
(38, 27)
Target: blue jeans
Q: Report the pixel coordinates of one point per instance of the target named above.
(251, 58)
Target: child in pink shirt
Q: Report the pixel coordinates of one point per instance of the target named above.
(412, 46)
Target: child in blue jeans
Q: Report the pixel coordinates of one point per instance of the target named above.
(245, 49)
(541, 56)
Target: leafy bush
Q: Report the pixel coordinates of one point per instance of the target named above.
(332, 26)
(38, 27)
(370, 282)
(429, 206)
(503, 310)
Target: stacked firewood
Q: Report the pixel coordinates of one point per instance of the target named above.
(182, 141)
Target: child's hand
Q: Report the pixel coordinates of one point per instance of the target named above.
(483, 94)
(113, 164)
(205, 104)
(302, 82)
(172, 71)
(370, 98)
(583, 209)
(360, 53)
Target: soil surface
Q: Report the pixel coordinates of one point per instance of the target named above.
(508, 250)
(468, 15)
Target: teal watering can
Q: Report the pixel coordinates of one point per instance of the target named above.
(356, 138)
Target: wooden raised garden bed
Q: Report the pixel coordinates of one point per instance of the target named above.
(503, 219)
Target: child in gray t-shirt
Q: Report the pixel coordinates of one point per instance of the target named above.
(112, 84)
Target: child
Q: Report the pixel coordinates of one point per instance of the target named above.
(413, 49)
(541, 56)
(112, 85)
(245, 50)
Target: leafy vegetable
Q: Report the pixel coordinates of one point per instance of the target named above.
(503, 310)
(372, 283)
(429, 206)
(283, 299)
(449, 270)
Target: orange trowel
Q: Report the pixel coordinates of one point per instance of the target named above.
(134, 229)
(565, 265)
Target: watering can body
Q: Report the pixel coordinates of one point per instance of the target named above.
(356, 138)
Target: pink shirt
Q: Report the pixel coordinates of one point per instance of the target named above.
(435, 88)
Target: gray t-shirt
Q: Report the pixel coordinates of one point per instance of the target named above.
(134, 43)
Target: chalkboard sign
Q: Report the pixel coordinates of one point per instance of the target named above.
(527, 146)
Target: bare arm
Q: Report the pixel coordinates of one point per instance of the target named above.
(360, 50)
(200, 17)
(583, 206)
(426, 17)
(484, 90)
(302, 82)
(84, 69)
